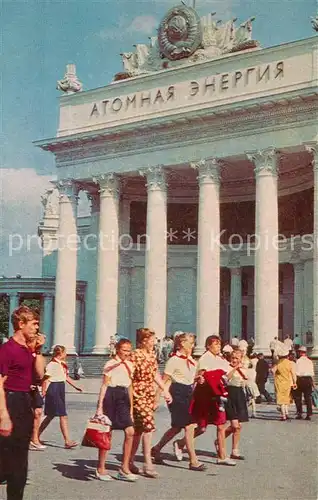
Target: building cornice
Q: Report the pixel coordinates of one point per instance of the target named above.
(254, 112)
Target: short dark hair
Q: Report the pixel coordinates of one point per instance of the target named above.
(210, 339)
(122, 342)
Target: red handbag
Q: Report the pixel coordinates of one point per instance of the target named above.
(97, 435)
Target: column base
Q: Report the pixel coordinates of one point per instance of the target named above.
(87, 350)
(264, 350)
(100, 349)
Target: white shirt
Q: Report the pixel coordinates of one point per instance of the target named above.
(209, 361)
(118, 376)
(272, 344)
(304, 367)
(288, 343)
(180, 370)
(55, 371)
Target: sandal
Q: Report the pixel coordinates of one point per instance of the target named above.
(157, 456)
(134, 469)
(150, 472)
(71, 445)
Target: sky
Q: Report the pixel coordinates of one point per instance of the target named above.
(39, 37)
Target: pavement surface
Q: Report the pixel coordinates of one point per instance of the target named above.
(281, 462)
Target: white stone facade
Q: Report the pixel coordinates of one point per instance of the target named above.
(236, 129)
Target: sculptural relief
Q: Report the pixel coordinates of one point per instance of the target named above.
(185, 38)
(50, 202)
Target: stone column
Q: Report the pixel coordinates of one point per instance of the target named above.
(91, 273)
(313, 150)
(236, 302)
(48, 320)
(124, 295)
(266, 252)
(14, 303)
(107, 263)
(298, 298)
(155, 311)
(208, 263)
(65, 287)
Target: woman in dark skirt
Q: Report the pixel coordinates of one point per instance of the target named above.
(53, 389)
(236, 406)
(115, 401)
(180, 371)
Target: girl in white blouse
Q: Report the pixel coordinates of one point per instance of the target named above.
(53, 389)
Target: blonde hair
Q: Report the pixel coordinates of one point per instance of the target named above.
(179, 339)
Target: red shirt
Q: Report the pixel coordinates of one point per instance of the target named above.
(16, 363)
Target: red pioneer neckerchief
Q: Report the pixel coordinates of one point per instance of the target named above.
(183, 356)
(121, 362)
(241, 373)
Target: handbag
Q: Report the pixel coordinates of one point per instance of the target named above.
(314, 397)
(98, 433)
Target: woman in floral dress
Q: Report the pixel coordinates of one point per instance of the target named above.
(144, 394)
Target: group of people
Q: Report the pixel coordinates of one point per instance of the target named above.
(215, 389)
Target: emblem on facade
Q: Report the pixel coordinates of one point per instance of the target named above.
(179, 33)
(184, 37)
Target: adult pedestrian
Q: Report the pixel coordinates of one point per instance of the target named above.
(262, 371)
(285, 380)
(305, 383)
(297, 344)
(145, 376)
(17, 365)
(272, 345)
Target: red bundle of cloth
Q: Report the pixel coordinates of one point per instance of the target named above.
(208, 398)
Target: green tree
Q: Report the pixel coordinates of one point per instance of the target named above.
(4, 316)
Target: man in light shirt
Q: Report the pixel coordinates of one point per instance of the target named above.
(305, 383)
(288, 342)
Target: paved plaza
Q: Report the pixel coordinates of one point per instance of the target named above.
(281, 461)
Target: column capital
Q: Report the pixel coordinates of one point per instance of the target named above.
(298, 265)
(108, 185)
(156, 178)
(126, 260)
(265, 161)
(48, 295)
(312, 148)
(234, 261)
(93, 197)
(13, 294)
(208, 170)
(68, 190)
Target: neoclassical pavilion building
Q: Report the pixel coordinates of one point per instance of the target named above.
(200, 161)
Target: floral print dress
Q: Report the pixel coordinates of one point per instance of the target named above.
(144, 391)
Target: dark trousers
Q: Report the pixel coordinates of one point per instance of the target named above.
(15, 448)
(304, 387)
(261, 387)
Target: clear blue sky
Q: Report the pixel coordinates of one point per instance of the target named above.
(41, 36)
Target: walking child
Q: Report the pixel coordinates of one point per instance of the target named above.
(115, 401)
(180, 372)
(53, 389)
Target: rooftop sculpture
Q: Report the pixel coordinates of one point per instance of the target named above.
(183, 37)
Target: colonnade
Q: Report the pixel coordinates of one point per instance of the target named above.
(266, 167)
